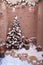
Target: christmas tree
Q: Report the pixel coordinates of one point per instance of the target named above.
(14, 35)
(15, 38)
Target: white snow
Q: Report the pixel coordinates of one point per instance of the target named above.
(31, 52)
(9, 60)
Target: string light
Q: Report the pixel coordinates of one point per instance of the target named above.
(29, 3)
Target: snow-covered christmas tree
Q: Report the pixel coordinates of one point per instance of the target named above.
(14, 35)
(15, 38)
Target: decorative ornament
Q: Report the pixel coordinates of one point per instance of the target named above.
(39, 48)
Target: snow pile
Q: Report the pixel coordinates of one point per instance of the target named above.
(21, 51)
(31, 52)
(9, 60)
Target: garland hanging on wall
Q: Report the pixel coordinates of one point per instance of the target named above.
(25, 2)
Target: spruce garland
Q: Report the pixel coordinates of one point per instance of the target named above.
(30, 3)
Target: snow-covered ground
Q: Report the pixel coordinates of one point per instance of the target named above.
(9, 60)
(31, 52)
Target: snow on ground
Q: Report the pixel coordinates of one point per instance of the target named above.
(31, 52)
(9, 60)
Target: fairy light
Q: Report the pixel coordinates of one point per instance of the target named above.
(27, 2)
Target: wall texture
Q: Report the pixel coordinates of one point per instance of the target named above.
(30, 19)
(3, 22)
(27, 18)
